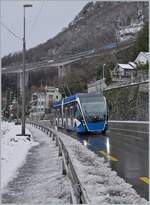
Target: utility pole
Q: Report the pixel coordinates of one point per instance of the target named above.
(18, 91)
(23, 74)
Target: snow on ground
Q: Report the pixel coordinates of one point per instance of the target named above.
(13, 151)
(40, 179)
(101, 183)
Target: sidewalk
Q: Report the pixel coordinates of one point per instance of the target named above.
(40, 180)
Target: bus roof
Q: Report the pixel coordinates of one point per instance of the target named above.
(73, 98)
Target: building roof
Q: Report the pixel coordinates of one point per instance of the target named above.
(126, 66)
(134, 65)
(145, 54)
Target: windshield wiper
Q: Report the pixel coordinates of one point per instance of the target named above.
(85, 109)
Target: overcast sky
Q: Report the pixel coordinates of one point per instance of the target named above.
(43, 21)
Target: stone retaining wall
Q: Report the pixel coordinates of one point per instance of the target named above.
(129, 103)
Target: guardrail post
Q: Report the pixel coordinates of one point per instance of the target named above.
(63, 168)
(56, 141)
(59, 151)
(78, 190)
(50, 134)
(53, 137)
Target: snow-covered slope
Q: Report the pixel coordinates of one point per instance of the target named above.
(128, 32)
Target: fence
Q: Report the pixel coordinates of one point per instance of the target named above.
(78, 192)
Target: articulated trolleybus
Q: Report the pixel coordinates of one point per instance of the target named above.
(83, 112)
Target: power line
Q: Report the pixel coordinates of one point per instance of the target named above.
(10, 31)
(35, 20)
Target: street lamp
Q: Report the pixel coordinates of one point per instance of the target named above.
(23, 75)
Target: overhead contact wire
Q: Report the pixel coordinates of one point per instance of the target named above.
(10, 31)
(35, 20)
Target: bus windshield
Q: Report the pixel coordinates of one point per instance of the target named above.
(93, 106)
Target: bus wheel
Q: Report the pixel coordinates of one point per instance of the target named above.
(104, 132)
(64, 125)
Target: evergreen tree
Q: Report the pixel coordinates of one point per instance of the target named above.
(108, 75)
(141, 44)
(143, 67)
(143, 39)
(99, 71)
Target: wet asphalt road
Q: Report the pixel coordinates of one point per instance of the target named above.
(40, 179)
(126, 152)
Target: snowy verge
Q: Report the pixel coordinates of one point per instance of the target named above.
(13, 151)
(101, 183)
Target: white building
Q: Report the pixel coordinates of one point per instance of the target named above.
(142, 58)
(41, 103)
(52, 94)
(37, 105)
(123, 71)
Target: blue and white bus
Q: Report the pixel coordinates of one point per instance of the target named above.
(83, 112)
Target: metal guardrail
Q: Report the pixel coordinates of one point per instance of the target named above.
(78, 192)
(126, 85)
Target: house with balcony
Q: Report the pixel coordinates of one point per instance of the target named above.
(37, 105)
(142, 58)
(124, 72)
(130, 72)
(52, 94)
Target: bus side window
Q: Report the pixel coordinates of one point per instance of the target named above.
(71, 111)
(59, 112)
(74, 109)
(56, 112)
(78, 114)
(66, 111)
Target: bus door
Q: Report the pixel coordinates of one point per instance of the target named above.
(66, 116)
(71, 115)
(78, 115)
(60, 117)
